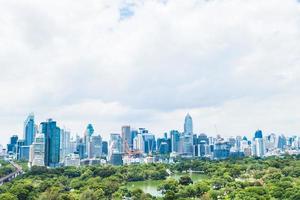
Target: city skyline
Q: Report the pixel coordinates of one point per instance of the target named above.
(234, 66)
(49, 145)
(37, 125)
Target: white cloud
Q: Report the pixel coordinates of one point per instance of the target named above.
(228, 62)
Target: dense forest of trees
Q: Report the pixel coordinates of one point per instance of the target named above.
(242, 179)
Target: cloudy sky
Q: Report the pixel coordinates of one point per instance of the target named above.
(234, 65)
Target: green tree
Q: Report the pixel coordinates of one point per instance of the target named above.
(185, 180)
(8, 196)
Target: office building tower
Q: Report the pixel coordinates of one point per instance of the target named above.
(163, 148)
(203, 137)
(187, 137)
(89, 130)
(238, 141)
(133, 135)
(81, 150)
(11, 147)
(232, 141)
(258, 144)
(163, 145)
(138, 143)
(24, 153)
(244, 144)
(188, 125)
(29, 130)
(87, 135)
(73, 146)
(115, 143)
(175, 141)
(270, 142)
(95, 147)
(52, 142)
(201, 149)
(221, 150)
(20, 143)
(281, 142)
(186, 143)
(149, 143)
(38, 150)
(116, 158)
(126, 139)
(64, 144)
(72, 159)
(105, 148)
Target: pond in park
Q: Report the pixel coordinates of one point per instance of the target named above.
(150, 186)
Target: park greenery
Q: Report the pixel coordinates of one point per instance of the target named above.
(237, 179)
(5, 168)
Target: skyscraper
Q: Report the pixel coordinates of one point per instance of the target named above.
(149, 143)
(126, 138)
(52, 142)
(29, 130)
(259, 150)
(138, 143)
(175, 139)
(115, 143)
(95, 147)
(188, 125)
(104, 148)
(19, 145)
(87, 135)
(11, 147)
(64, 144)
(187, 137)
(38, 150)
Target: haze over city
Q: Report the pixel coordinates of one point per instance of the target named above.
(148, 63)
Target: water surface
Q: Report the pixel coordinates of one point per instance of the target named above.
(150, 186)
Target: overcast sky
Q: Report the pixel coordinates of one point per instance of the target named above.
(234, 65)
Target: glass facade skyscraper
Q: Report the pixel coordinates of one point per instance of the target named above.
(29, 130)
(52, 143)
(188, 125)
(175, 140)
(126, 138)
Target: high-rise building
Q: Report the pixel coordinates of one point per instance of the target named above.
(72, 159)
(105, 148)
(138, 143)
(133, 134)
(29, 130)
(126, 139)
(64, 144)
(163, 145)
(115, 143)
(24, 153)
(19, 144)
(271, 141)
(11, 147)
(187, 137)
(281, 142)
(87, 135)
(259, 150)
(38, 150)
(52, 142)
(175, 141)
(188, 125)
(149, 143)
(186, 144)
(221, 150)
(95, 147)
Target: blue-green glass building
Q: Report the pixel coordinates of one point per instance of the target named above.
(52, 142)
